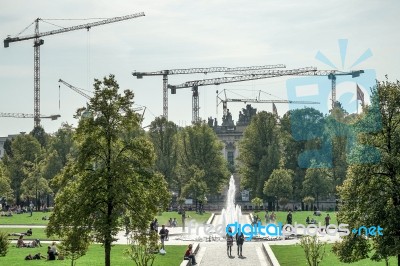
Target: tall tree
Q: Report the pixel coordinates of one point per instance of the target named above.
(5, 183)
(35, 185)
(163, 136)
(370, 194)
(259, 152)
(301, 132)
(63, 142)
(112, 173)
(199, 146)
(318, 182)
(280, 185)
(39, 134)
(25, 148)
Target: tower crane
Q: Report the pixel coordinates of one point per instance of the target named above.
(330, 73)
(217, 81)
(74, 89)
(254, 100)
(87, 96)
(21, 115)
(165, 74)
(37, 42)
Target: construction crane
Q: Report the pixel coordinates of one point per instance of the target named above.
(254, 100)
(87, 96)
(74, 89)
(21, 115)
(217, 81)
(165, 74)
(38, 42)
(330, 73)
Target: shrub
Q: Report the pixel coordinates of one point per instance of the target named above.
(4, 243)
(313, 248)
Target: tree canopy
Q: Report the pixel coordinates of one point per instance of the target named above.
(259, 152)
(370, 194)
(112, 173)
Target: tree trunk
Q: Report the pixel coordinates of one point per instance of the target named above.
(107, 249)
(398, 259)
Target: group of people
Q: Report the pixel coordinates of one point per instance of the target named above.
(327, 220)
(51, 254)
(239, 237)
(172, 223)
(21, 244)
(270, 217)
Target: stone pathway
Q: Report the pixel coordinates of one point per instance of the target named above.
(214, 254)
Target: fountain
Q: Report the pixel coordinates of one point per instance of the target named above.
(232, 213)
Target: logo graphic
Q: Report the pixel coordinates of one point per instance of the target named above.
(279, 230)
(352, 89)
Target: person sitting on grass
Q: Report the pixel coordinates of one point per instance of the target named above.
(189, 254)
(35, 243)
(50, 254)
(54, 248)
(20, 242)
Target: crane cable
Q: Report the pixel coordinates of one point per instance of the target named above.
(88, 59)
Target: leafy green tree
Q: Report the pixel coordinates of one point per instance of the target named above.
(7, 148)
(257, 202)
(111, 174)
(63, 143)
(370, 195)
(41, 136)
(5, 184)
(76, 245)
(163, 136)
(259, 152)
(199, 146)
(25, 148)
(34, 185)
(317, 182)
(301, 131)
(339, 130)
(195, 186)
(280, 185)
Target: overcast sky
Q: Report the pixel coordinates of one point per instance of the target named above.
(185, 34)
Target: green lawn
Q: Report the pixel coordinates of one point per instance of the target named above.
(38, 233)
(24, 218)
(299, 217)
(94, 257)
(289, 255)
(163, 219)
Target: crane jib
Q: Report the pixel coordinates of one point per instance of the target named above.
(78, 27)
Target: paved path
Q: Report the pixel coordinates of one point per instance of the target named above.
(214, 254)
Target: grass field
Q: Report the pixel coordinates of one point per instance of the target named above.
(94, 257)
(299, 217)
(24, 218)
(163, 219)
(38, 233)
(293, 255)
(36, 219)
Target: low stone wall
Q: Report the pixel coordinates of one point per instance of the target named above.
(196, 248)
(211, 219)
(270, 255)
